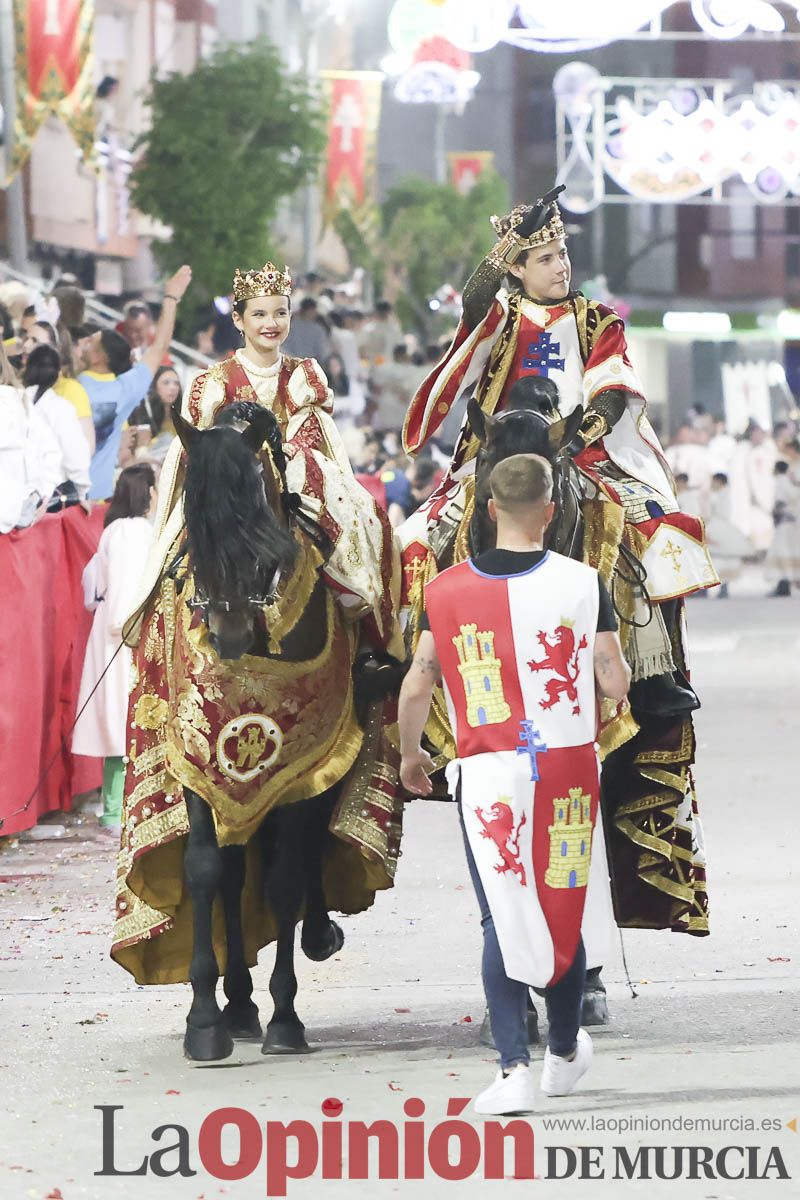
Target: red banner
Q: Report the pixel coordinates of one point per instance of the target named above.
(354, 105)
(53, 70)
(466, 166)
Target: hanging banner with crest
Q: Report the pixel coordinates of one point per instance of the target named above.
(354, 109)
(466, 167)
(53, 71)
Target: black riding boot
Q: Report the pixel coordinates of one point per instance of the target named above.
(663, 695)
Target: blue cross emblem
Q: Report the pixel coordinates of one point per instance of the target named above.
(542, 356)
(531, 744)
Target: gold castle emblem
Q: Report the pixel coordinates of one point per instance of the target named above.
(570, 841)
(480, 674)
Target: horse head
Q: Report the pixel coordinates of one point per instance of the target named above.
(528, 425)
(239, 542)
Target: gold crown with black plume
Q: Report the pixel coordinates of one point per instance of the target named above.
(269, 281)
(541, 223)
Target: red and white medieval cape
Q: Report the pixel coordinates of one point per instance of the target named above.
(517, 658)
(581, 346)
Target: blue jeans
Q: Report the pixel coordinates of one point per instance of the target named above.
(508, 998)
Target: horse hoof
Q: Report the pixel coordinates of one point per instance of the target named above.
(486, 1037)
(330, 944)
(285, 1037)
(241, 1020)
(594, 1010)
(207, 1043)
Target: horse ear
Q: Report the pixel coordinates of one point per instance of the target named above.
(256, 433)
(561, 433)
(480, 422)
(187, 432)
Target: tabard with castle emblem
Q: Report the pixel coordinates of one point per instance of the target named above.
(517, 658)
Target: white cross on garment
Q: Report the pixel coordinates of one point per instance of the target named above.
(347, 117)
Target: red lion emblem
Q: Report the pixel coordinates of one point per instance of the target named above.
(561, 656)
(500, 829)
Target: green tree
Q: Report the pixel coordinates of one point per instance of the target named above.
(432, 235)
(225, 144)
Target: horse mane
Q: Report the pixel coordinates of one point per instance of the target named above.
(264, 421)
(236, 542)
(522, 430)
(534, 392)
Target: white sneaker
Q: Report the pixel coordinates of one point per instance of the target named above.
(511, 1093)
(560, 1075)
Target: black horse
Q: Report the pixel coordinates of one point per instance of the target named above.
(530, 424)
(240, 522)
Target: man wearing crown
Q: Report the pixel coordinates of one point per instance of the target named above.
(521, 317)
(362, 566)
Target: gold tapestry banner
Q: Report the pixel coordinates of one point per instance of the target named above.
(354, 110)
(54, 71)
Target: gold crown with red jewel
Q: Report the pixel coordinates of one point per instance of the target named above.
(269, 281)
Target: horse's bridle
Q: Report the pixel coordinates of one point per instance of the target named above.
(200, 603)
(564, 477)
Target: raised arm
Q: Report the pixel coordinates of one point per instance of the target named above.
(481, 289)
(414, 706)
(173, 294)
(611, 671)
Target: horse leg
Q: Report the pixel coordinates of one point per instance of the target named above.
(285, 886)
(240, 1013)
(594, 1010)
(321, 937)
(206, 1038)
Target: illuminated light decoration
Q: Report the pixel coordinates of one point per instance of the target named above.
(673, 141)
(731, 18)
(578, 87)
(669, 155)
(429, 67)
(696, 322)
(788, 324)
(435, 83)
(574, 25)
(411, 22)
(477, 26)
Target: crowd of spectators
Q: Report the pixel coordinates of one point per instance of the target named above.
(83, 402)
(747, 490)
(68, 392)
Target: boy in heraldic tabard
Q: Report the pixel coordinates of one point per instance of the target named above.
(525, 642)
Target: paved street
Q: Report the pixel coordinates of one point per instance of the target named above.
(713, 1033)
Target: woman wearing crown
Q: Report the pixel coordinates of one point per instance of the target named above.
(362, 566)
